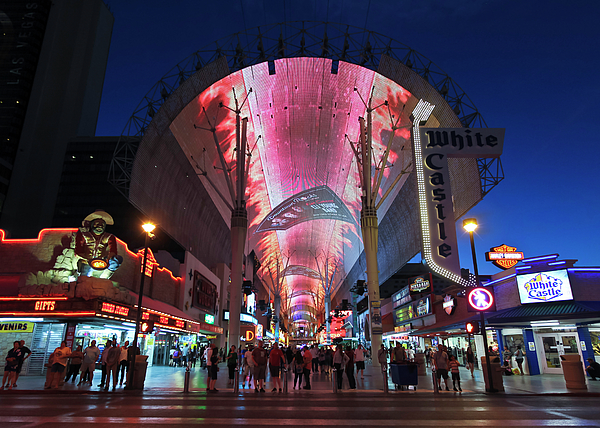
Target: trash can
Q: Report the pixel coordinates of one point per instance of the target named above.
(573, 371)
(404, 375)
(420, 360)
(141, 365)
(496, 373)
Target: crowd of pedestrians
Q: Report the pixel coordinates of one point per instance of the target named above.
(253, 364)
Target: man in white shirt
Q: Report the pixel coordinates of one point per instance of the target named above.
(440, 362)
(90, 356)
(359, 358)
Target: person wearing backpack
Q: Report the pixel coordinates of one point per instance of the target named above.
(112, 365)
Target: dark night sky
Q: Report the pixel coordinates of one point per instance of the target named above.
(529, 67)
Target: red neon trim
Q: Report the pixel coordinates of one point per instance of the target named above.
(46, 314)
(5, 240)
(33, 240)
(4, 299)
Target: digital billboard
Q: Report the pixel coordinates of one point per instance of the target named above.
(542, 287)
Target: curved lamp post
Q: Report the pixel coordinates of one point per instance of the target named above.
(470, 224)
(148, 229)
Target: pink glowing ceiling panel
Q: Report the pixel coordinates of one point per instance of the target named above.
(299, 122)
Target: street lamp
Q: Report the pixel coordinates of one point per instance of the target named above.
(470, 224)
(148, 229)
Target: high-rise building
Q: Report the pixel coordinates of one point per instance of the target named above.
(51, 82)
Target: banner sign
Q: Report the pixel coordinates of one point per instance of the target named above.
(542, 287)
(312, 204)
(401, 297)
(376, 322)
(16, 327)
(433, 147)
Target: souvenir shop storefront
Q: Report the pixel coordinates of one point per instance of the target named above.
(44, 322)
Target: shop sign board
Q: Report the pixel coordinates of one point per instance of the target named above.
(413, 310)
(16, 327)
(401, 297)
(542, 287)
(420, 284)
(209, 319)
(204, 294)
(504, 256)
(243, 318)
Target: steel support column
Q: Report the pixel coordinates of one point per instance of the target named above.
(239, 229)
(370, 233)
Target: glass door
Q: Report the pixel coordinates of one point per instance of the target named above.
(554, 345)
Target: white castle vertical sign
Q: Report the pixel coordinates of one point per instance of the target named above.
(436, 145)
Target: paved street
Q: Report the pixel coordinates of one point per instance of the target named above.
(306, 408)
(529, 401)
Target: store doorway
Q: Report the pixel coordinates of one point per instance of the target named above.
(554, 345)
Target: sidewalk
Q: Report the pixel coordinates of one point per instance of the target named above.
(160, 378)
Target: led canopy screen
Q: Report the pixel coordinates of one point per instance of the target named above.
(542, 287)
(303, 191)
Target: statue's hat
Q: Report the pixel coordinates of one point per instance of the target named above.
(100, 214)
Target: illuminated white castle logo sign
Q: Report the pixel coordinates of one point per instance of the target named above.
(544, 288)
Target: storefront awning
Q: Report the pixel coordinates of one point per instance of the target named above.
(547, 311)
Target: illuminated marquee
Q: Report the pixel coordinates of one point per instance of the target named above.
(541, 287)
(111, 308)
(504, 256)
(432, 148)
(45, 305)
(420, 284)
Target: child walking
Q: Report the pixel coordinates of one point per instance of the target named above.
(453, 365)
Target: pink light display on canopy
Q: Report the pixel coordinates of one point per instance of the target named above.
(298, 120)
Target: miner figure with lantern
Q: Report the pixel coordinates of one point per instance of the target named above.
(96, 248)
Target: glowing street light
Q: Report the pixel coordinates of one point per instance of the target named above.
(148, 227)
(470, 224)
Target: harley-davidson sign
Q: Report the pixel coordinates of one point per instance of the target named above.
(504, 256)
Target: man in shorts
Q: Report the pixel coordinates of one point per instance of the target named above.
(61, 356)
(440, 363)
(276, 359)
(260, 369)
(359, 359)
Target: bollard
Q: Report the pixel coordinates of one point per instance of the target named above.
(285, 380)
(334, 380)
(436, 390)
(385, 379)
(186, 381)
(236, 381)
